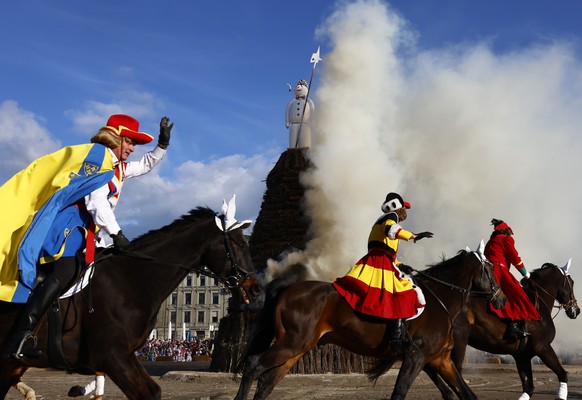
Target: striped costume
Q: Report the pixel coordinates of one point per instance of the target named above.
(375, 286)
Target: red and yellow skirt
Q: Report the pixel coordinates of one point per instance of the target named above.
(374, 286)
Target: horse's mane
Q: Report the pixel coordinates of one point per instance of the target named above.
(197, 215)
(441, 269)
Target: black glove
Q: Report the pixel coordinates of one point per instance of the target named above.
(407, 269)
(422, 235)
(120, 242)
(165, 129)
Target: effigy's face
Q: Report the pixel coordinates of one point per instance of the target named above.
(300, 90)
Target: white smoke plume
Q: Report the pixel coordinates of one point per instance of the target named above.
(463, 133)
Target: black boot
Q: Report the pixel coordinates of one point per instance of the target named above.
(23, 341)
(515, 330)
(398, 340)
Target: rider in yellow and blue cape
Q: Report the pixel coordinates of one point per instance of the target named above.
(51, 212)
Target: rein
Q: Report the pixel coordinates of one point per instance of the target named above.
(571, 303)
(490, 295)
(231, 282)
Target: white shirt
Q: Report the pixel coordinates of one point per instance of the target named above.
(97, 201)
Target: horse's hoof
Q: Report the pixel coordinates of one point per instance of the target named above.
(76, 391)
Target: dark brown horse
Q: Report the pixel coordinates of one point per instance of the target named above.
(306, 313)
(485, 331)
(103, 329)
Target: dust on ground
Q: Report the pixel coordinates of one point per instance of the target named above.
(192, 381)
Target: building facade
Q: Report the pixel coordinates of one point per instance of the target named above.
(194, 309)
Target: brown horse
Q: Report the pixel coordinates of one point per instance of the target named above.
(102, 328)
(305, 313)
(485, 331)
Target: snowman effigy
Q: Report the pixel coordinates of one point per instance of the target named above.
(298, 117)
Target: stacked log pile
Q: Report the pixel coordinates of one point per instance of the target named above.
(281, 226)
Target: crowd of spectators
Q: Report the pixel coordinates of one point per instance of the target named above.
(178, 350)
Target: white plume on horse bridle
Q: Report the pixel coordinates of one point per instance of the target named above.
(566, 267)
(479, 252)
(227, 215)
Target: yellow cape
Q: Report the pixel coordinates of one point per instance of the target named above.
(64, 172)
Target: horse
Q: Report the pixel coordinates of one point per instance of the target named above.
(303, 314)
(485, 331)
(103, 326)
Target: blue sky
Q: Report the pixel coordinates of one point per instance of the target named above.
(219, 70)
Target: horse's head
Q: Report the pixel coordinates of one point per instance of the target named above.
(229, 256)
(471, 274)
(558, 280)
(486, 283)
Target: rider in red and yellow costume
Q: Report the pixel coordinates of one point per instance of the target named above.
(375, 285)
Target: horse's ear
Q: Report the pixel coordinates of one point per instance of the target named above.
(566, 267)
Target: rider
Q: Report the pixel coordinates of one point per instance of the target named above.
(376, 285)
(74, 190)
(500, 250)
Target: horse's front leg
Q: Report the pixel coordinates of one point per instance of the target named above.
(524, 369)
(128, 374)
(446, 392)
(550, 359)
(447, 370)
(251, 371)
(411, 366)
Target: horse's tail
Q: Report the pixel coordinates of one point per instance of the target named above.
(379, 368)
(262, 329)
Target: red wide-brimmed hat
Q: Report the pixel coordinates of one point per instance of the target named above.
(126, 126)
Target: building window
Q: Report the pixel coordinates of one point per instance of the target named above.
(215, 281)
(202, 280)
(186, 317)
(201, 298)
(214, 316)
(200, 317)
(189, 280)
(188, 298)
(174, 299)
(173, 317)
(215, 298)
(200, 334)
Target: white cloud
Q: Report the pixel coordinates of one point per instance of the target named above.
(22, 139)
(141, 105)
(152, 201)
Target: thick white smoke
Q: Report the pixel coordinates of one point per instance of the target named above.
(461, 132)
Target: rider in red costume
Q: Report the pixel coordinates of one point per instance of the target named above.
(500, 250)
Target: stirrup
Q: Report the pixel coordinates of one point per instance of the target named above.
(413, 345)
(25, 352)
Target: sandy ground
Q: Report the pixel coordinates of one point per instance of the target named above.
(181, 381)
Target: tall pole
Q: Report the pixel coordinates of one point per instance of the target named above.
(315, 58)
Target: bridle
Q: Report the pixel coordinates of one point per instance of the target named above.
(234, 281)
(490, 296)
(238, 275)
(571, 304)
